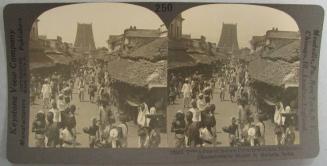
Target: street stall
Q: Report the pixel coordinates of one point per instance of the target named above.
(277, 81)
(140, 77)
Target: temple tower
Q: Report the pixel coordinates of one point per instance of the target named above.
(175, 28)
(34, 33)
(228, 39)
(84, 40)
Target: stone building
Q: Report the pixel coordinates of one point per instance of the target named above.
(274, 39)
(34, 33)
(115, 42)
(258, 42)
(132, 38)
(175, 28)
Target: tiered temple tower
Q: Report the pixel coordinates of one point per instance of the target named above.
(175, 28)
(228, 39)
(84, 40)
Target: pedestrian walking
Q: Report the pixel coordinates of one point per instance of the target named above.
(187, 91)
(46, 93)
(81, 86)
(142, 122)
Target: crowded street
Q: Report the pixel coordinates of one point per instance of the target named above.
(153, 86)
(99, 88)
(85, 111)
(223, 108)
(224, 111)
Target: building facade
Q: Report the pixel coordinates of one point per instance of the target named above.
(133, 38)
(175, 28)
(274, 39)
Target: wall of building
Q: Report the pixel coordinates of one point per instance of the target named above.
(175, 28)
(34, 34)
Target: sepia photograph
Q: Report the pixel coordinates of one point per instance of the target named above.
(162, 82)
(220, 75)
(98, 77)
(233, 77)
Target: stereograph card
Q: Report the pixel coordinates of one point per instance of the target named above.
(161, 82)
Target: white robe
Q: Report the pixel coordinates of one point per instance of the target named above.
(142, 120)
(46, 91)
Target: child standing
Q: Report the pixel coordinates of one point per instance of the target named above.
(52, 131)
(93, 132)
(178, 127)
(233, 132)
(260, 132)
(55, 111)
(289, 135)
(71, 120)
(38, 128)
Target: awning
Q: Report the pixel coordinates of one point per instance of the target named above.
(292, 79)
(132, 103)
(150, 86)
(267, 101)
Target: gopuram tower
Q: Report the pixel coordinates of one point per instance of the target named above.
(84, 41)
(228, 39)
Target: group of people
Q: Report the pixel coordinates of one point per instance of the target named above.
(235, 79)
(148, 121)
(112, 126)
(284, 120)
(246, 128)
(55, 127)
(55, 123)
(189, 88)
(195, 124)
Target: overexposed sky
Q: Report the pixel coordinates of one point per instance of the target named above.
(112, 18)
(251, 20)
(106, 18)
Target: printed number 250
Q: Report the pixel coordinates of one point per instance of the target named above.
(164, 7)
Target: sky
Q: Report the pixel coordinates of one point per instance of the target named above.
(251, 20)
(107, 19)
(112, 18)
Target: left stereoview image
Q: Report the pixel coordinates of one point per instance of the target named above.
(98, 77)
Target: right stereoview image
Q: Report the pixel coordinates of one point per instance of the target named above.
(233, 77)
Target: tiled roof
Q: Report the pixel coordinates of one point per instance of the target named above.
(289, 52)
(138, 73)
(179, 58)
(153, 51)
(273, 72)
(249, 57)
